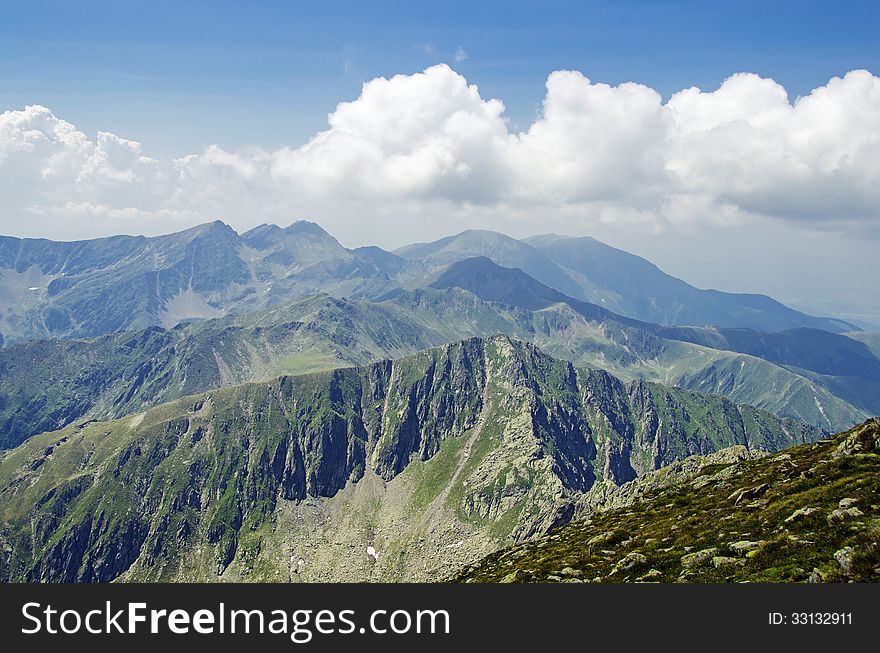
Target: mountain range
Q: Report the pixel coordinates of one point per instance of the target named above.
(47, 384)
(397, 470)
(828, 379)
(94, 287)
(274, 406)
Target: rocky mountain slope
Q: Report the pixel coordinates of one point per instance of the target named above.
(401, 470)
(93, 287)
(810, 513)
(46, 385)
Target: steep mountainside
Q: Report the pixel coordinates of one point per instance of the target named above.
(810, 349)
(808, 514)
(88, 288)
(49, 384)
(398, 470)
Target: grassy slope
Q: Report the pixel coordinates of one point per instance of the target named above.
(701, 531)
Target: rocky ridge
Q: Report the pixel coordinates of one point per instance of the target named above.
(808, 514)
(397, 470)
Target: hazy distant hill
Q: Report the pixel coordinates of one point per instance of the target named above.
(630, 285)
(845, 366)
(501, 249)
(587, 269)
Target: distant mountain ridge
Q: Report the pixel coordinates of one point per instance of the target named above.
(251, 306)
(629, 285)
(89, 288)
(94, 287)
(636, 287)
(845, 365)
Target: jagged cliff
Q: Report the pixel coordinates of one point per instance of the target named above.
(390, 471)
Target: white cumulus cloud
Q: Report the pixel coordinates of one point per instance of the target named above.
(427, 150)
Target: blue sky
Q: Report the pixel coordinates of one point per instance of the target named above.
(181, 75)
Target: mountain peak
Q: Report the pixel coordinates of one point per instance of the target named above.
(307, 228)
(214, 225)
(263, 229)
(483, 233)
(214, 228)
(492, 282)
(466, 269)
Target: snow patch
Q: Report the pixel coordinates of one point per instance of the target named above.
(371, 552)
(820, 407)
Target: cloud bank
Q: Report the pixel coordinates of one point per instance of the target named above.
(418, 151)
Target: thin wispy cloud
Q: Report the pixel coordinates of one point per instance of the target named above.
(348, 67)
(460, 55)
